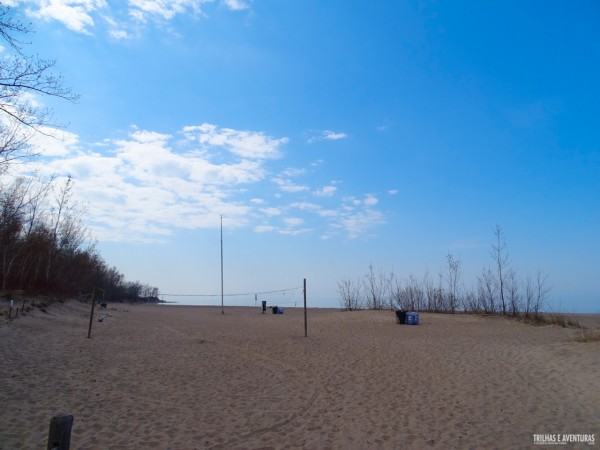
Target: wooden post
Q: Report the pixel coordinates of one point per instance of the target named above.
(92, 313)
(305, 323)
(59, 436)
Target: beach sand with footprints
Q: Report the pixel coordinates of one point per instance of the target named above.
(180, 377)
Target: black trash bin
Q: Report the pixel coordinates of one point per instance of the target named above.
(401, 317)
(274, 308)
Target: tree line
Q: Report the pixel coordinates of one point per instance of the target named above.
(45, 246)
(499, 289)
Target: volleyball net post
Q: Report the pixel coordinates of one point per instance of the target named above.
(305, 318)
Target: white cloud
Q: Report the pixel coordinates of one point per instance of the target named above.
(270, 211)
(326, 191)
(333, 136)
(81, 15)
(370, 200)
(146, 185)
(354, 217)
(235, 5)
(246, 144)
(74, 14)
(329, 213)
(305, 206)
(163, 9)
(264, 228)
(118, 34)
(53, 142)
(289, 186)
(393, 191)
(358, 223)
(293, 221)
(327, 135)
(292, 172)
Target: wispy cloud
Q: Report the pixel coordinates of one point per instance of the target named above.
(287, 185)
(74, 14)
(246, 144)
(325, 191)
(333, 136)
(146, 185)
(270, 211)
(164, 9)
(326, 135)
(356, 216)
(83, 16)
(236, 5)
(358, 222)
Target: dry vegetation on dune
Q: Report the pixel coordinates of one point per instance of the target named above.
(588, 335)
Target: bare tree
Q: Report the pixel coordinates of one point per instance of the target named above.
(452, 279)
(22, 77)
(374, 289)
(536, 292)
(13, 202)
(513, 291)
(410, 295)
(429, 292)
(500, 257)
(403, 296)
(541, 291)
(59, 215)
(471, 302)
(36, 240)
(350, 294)
(486, 290)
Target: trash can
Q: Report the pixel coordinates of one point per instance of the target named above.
(412, 318)
(401, 317)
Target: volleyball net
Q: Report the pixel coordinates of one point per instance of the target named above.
(289, 297)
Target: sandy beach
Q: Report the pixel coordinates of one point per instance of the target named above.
(179, 377)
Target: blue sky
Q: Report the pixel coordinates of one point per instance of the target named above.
(330, 135)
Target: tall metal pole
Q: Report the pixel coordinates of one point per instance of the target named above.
(222, 310)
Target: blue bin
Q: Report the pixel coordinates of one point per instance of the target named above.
(412, 318)
(280, 310)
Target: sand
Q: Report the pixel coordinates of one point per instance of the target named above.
(179, 377)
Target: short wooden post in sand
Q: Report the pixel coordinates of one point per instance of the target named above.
(59, 436)
(305, 323)
(92, 312)
(93, 305)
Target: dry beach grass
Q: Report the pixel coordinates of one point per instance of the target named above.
(178, 377)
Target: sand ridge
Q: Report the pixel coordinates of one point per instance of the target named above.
(178, 377)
